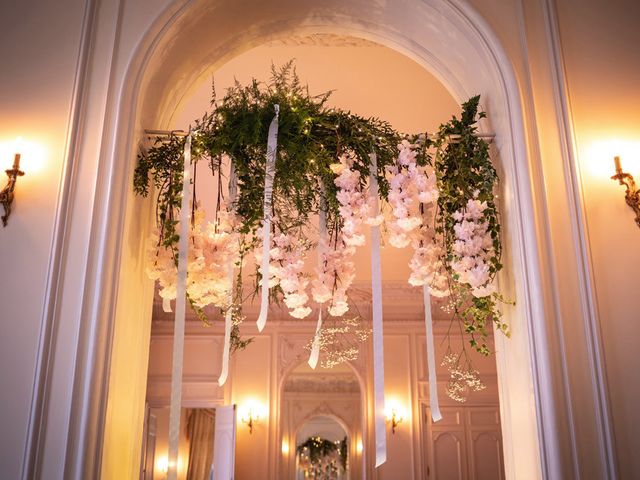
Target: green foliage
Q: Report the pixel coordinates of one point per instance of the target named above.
(311, 137)
(316, 448)
(465, 171)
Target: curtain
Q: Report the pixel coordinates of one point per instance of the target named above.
(200, 432)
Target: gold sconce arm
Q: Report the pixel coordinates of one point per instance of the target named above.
(7, 194)
(632, 194)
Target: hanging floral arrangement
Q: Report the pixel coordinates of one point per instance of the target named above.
(436, 193)
(322, 459)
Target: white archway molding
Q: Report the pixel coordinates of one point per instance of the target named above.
(449, 44)
(152, 73)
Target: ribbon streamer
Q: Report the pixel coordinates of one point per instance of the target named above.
(378, 344)
(434, 405)
(178, 329)
(270, 169)
(228, 317)
(322, 226)
(315, 347)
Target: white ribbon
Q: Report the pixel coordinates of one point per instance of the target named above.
(322, 224)
(270, 168)
(378, 344)
(315, 347)
(431, 360)
(178, 328)
(228, 317)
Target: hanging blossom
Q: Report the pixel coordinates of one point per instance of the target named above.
(334, 276)
(336, 270)
(473, 248)
(213, 248)
(286, 264)
(409, 185)
(427, 264)
(412, 193)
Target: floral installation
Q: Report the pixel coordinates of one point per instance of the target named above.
(437, 192)
(322, 459)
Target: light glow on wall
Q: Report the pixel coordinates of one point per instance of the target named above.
(598, 157)
(251, 412)
(162, 464)
(394, 407)
(32, 155)
(285, 447)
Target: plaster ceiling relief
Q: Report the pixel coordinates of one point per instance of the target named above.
(321, 384)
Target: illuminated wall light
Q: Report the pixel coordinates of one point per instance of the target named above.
(251, 412)
(285, 447)
(632, 194)
(596, 158)
(394, 413)
(7, 194)
(359, 446)
(17, 157)
(162, 464)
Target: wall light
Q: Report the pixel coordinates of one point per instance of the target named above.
(632, 194)
(285, 447)
(162, 465)
(7, 194)
(251, 413)
(394, 414)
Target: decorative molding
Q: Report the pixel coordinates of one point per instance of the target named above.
(322, 40)
(107, 235)
(319, 383)
(579, 228)
(32, 462)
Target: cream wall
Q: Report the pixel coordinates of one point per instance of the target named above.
(39, 48)
(40, 44)
(602, 62)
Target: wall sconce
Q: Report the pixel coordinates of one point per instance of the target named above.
(8, 192)
(251, 413)
(394, 415)
(632, 194)
(285, 447)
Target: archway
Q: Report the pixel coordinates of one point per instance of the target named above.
(447, 39)
(306, 394)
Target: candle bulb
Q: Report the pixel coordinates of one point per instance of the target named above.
(616, 160)
(17, 146)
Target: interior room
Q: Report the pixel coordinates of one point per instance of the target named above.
(319, 240)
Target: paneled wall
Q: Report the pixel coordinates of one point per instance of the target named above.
(270, 371)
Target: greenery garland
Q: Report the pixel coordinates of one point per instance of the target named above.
(311, 137)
